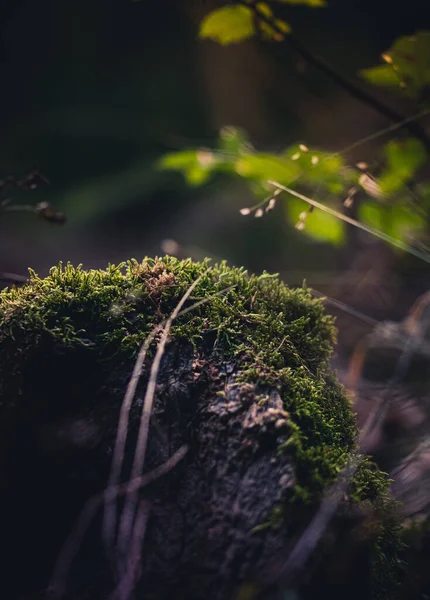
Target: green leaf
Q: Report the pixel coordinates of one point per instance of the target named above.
(407, 65)
(267, 166)
(318, 224)
(398, 221)
(178, 160)
(403, 158)
(228, 25)
(371, 214)
(196, 165)
(382, 75)
(322, 169)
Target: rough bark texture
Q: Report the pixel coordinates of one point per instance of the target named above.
(267, 429)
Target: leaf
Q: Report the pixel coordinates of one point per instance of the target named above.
(398, 221)
(404, 158)
(407, 65)
(228, 25)
(323, 169)
(318, 224)
(267, 166)
(178, 160)
(195, 165)
(382, 75)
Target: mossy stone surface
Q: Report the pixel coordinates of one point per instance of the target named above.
(253, 348)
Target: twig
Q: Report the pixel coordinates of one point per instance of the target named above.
(314, 531)
(129, 510)
(108, 528)
(348, 85)
(128, 582)
(379, 234)
(342, 306)
(70, 549)
(13, 277)
(109, 517)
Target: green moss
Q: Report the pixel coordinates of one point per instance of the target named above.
(280, 337)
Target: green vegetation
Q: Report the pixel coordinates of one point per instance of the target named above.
(278, 338)
(389, 192)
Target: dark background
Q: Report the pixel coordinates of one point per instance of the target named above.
(94, 92)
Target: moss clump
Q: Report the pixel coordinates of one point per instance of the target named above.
(277, 338)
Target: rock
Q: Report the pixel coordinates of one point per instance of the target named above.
(246, 397)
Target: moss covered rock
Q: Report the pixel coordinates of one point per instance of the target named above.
(244, 385)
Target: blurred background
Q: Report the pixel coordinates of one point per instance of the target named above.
(95, 92)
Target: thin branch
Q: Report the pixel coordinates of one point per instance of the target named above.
(344, 307)
(394, 127)
(129, 510)
(125, 587)
(314, 531)
(70, 549)
(109, 517)
(379, 234)
(108, 528)
(345, 83)
(13, 277)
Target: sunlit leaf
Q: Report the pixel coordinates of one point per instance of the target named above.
(403, 223)
(318, 224)
(179, 160)
(228, 25)
(323, 169)
(267, 166)
(398, 221)
(195, 165)
(371, 214)
(196, 175)
(382, 75)
(403, 158)
(407, 65)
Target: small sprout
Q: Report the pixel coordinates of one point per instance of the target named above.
(245, 211)
(315, 160)
(303, 148)
(300, 225)
(296, 156)
(259, 213)
(303, 215)
(271, 205)
(385, 56)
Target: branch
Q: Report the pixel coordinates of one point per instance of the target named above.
(345, 83)
(13, 277)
